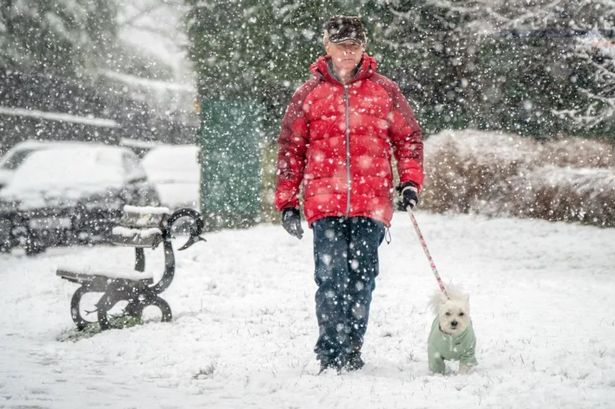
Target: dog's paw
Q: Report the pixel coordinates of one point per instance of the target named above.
(466, 369)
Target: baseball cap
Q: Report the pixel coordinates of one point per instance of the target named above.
(345, 28)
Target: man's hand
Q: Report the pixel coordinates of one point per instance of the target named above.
(409, 195)
(291, 221)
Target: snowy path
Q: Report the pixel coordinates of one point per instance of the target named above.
(541, 294)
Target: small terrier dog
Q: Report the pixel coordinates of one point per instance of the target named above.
(452, 336)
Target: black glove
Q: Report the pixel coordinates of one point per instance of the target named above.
(291, 221)
(409, 195)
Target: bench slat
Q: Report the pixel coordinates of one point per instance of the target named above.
(88, 274)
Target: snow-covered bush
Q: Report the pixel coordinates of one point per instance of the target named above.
(503, 174)
(563, 193)
(465, 169)
(578, 152)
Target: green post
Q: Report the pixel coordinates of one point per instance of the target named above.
(230, 163)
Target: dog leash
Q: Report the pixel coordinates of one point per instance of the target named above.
(426, 250)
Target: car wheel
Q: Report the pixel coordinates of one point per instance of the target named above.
(33, 248)
(104, 305)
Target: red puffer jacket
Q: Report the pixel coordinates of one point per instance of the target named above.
(337, 140)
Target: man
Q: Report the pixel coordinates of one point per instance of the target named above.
(336, 139)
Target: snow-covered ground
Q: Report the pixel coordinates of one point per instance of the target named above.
(244, 326)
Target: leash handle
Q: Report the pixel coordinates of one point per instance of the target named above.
(426, 250)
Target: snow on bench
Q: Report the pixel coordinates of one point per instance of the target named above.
(146, 209)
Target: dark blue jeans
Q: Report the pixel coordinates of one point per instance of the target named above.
(346, 259)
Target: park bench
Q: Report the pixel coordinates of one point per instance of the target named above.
(141, 228)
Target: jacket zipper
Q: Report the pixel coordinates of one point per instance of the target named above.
(348, 179)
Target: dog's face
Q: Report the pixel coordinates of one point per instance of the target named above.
(454, 313)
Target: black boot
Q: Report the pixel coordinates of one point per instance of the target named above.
(333, 364)
(354, 362)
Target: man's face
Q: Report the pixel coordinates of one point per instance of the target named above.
(345, 55)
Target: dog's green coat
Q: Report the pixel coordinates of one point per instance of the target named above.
(441, 347)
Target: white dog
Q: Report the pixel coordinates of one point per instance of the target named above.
(452, 336)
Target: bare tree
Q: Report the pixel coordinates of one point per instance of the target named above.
(595, 51)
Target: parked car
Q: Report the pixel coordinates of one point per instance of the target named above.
(15, 156)
(175, 172)
(68, 195)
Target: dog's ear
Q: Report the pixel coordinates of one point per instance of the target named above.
(466, 301)
(436, 301)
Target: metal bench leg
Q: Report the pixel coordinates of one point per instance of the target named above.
(137, 298)
(139, 259)
(104, 305)
(111, 297)
(75, 310)
(134, 308)
(163, 306)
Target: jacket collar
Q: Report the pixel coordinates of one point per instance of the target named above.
(364, 70)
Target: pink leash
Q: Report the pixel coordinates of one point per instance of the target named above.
(424, 245)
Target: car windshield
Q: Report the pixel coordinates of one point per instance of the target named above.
(83, 168)
(16, 155)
